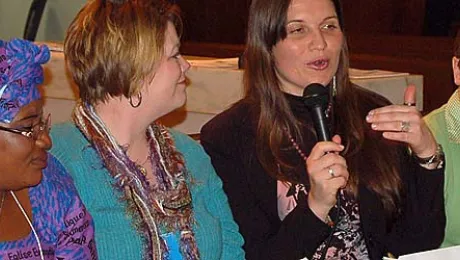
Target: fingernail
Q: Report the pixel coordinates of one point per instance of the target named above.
(342, 147)
(369, 116)
(373, 126)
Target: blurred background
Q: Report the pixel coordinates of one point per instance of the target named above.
(413, 36)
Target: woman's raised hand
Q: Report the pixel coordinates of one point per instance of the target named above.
(404, 123)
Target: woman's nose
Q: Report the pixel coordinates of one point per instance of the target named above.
(185, 64)
(44, 140)
(318, 42)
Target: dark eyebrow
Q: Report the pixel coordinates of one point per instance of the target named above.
(325, 19)
(331, 17)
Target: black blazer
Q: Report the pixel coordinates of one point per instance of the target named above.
(229, 139)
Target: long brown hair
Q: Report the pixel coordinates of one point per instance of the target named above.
(267, 21)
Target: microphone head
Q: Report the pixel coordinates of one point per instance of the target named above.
(316, 95)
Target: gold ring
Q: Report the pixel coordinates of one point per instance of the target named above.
(405, 126)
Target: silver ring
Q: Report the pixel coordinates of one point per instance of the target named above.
(331, 172)
(405, 126)
(409, 104)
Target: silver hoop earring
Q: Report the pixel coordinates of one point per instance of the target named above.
(334, 86)
(139, 98)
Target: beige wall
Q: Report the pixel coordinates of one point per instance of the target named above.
(56, 17)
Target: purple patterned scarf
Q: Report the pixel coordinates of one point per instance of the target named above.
(165, 205)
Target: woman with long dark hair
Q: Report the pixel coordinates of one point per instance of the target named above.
(375, 188)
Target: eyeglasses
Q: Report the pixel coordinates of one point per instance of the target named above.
(35, 130)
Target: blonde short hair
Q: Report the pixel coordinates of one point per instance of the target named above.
(112, 46)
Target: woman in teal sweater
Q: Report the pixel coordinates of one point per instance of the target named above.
(152, 191)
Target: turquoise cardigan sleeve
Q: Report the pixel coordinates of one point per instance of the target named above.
(212, 195)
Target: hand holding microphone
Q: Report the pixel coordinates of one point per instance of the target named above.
(327, 170)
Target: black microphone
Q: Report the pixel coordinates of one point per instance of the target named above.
(316, 98)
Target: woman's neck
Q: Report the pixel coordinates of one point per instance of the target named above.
(125, 126)
(13, 224)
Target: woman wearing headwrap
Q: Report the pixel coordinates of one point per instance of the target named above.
(41, 214)
(152, 191)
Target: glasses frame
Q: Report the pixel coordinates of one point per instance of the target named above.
(42, 126)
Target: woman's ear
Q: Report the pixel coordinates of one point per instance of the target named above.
(456, 70)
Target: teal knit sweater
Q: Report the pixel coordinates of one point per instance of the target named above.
(216, 232)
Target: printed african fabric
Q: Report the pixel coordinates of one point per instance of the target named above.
(64, 227)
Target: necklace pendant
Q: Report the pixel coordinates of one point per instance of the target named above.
(142, 170)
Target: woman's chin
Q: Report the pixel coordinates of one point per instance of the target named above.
(34, 179)
(180, 101)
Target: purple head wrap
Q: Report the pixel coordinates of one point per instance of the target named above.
(20, 73)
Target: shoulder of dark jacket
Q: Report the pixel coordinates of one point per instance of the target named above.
(240, 117)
